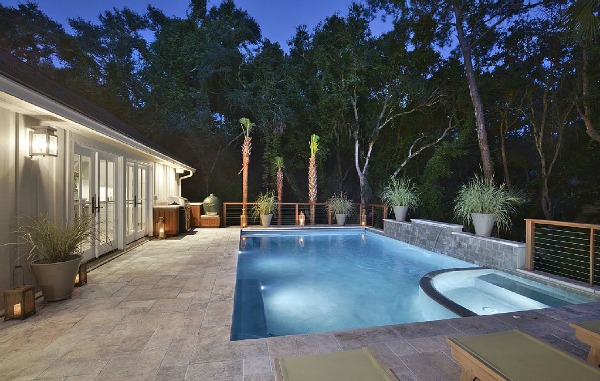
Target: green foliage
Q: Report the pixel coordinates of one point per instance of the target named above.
(340, 204)
(265, 203)
(401, 192)
(314, 144)
(50, 242)
(484, 196)
(247, 126)
(278, 162)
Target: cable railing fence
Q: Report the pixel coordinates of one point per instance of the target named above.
(289, 213)
(567, 249)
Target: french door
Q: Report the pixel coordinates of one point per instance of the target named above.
(136, 201)
(94, 191)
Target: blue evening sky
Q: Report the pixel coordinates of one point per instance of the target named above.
(278, 19)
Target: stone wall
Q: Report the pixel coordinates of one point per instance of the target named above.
(449, 239)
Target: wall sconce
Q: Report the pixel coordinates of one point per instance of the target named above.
(19, 302)
(161, 228)
(363, 218)
(81, 277)
(301, 219)
(243, 220)
(43, 141)
(179, 170)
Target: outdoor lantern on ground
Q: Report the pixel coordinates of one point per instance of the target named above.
(161, 228)
(19, 302)
(363, 218)
(243, 221)
(301, 219)
(43, 141)
(81, 277)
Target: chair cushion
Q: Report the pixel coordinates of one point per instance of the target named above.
(353, 365)
(518, 356)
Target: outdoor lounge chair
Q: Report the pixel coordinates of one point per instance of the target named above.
(515, 355)
(354, 365)
(589, 332)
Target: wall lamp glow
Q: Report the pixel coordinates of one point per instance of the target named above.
(43, 141)
(179, 170)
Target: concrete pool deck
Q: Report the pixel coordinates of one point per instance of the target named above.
(162, 311)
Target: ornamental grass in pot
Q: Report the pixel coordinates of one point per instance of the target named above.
(401, 195)
(53, 257)
(484, 204)
(341, 206)
(264, 207)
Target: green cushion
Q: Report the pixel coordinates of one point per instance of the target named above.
(520, 357)
(593, 325)
(354, 365)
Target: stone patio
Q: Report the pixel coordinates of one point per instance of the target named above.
(162, 311)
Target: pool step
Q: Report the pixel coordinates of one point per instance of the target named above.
(249, 317)
(523, 289)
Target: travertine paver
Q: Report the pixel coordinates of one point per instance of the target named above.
(162, 311)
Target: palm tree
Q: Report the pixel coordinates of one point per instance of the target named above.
(278, 161)
(246, 147)
(312, 176)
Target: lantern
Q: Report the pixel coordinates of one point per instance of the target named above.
(301, 219)
(243, 220)
(19, 302)
(81, 277)
(43, 141)
(161, 228)
(363, 218)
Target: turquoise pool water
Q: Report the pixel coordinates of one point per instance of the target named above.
(308, 281)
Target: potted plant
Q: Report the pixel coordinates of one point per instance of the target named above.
(264, 207)
(401, 195)
(53, 257)
(485, 203)
(341, 206)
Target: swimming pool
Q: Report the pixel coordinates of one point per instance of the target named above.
(320, 280)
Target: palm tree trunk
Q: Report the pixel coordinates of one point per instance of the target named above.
(246, 147)
(279, 194)
(312, 187)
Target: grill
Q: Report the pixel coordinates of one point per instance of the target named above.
(185, 212)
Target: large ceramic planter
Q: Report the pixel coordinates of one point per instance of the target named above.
(400, 212)
(341, 219)
(56, 279)
(265, 220)
(483, 223)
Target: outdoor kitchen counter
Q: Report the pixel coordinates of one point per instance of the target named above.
(170, 215)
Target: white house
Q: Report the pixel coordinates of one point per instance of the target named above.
(102, 166)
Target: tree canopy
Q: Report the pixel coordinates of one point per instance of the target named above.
(454, 89)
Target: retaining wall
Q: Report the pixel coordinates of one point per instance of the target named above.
(449, 239)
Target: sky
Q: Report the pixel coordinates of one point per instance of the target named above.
(278, 19)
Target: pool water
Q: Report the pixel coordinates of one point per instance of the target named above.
(320, 280)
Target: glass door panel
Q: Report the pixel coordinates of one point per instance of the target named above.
(136, 201)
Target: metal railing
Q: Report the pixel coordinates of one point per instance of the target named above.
(566, 249)
(289, 212)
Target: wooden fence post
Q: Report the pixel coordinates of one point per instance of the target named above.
(592, 257)
(529, 244)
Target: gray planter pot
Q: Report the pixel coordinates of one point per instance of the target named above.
(265, 220)
(400, 212)
(341, 219)
(56, 279)
(483, 223)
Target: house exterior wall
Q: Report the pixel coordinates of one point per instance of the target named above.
(43, 185)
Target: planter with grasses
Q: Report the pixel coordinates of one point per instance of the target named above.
(53, 257)
(264, 207)
(401, 195)
(341, 206)
(483, 203)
